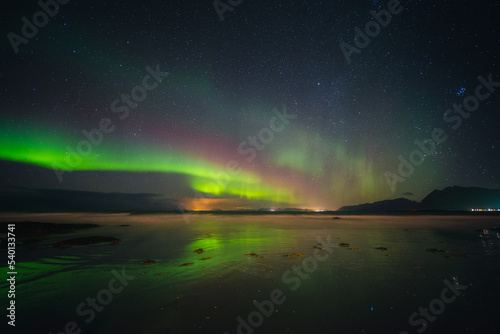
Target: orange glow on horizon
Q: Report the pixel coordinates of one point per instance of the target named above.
(229, 204)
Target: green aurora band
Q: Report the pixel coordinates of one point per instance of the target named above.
(42, 147)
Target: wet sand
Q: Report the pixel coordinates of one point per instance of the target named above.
(372, 286)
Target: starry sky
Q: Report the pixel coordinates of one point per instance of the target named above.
(149, 105)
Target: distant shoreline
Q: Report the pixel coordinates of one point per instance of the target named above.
(6, 215)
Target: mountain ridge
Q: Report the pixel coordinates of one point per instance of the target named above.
(453, 198)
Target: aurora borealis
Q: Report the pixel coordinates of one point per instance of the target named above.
(216, 127)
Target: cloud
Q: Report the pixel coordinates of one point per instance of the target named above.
(408, 194)
(58, 200)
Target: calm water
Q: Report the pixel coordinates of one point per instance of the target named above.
(355, 289)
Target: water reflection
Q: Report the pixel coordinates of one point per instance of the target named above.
(370, 286)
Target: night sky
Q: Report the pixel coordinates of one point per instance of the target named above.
(146, 105)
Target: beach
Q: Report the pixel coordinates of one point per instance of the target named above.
(262, 274)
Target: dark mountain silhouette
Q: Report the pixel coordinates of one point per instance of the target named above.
(461, 199)
(390, 205)
(449, 199)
